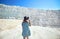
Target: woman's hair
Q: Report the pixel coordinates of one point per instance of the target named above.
(25, 18)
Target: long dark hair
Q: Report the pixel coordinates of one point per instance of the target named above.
(25, 18)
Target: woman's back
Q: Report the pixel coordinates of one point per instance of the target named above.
(25, 26)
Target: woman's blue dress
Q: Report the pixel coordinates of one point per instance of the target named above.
(25, 29)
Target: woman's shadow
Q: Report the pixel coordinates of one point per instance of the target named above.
(1, 37)
(0, 34)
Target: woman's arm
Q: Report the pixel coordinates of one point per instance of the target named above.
(29, 23)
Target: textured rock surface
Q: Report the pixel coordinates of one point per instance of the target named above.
(38, 17)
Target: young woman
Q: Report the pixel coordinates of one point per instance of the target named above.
(25, 28)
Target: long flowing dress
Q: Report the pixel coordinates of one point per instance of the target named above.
(25, 29)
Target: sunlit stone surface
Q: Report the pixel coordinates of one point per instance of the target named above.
(12, 29)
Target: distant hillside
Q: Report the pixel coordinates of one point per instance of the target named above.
(38, 16)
